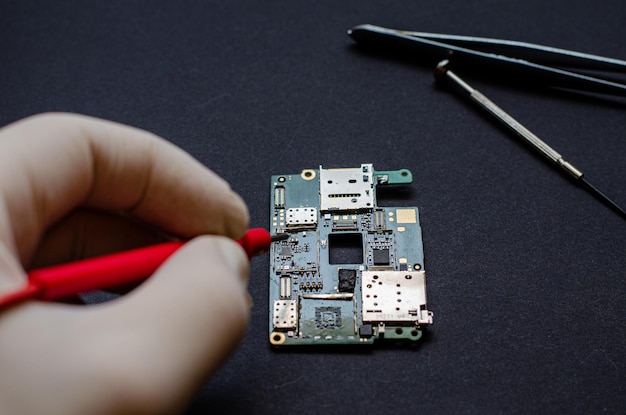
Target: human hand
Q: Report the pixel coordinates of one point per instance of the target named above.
(73, 186)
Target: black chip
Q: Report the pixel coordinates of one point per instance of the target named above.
(347, 280)
(366, 330)
(381, 256)
(404, 267)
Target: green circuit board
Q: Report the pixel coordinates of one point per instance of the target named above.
(351, 272)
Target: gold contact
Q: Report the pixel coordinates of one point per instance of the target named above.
(277, 338)
(406, 216)
(308, 174)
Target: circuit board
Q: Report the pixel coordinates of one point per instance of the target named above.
(351, 272)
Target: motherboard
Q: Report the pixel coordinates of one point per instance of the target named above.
(351, 272)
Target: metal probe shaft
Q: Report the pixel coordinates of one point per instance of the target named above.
(444, 73)
(275, 237)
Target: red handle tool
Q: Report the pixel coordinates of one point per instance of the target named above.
(108, 271)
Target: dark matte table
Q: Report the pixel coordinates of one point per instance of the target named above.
(526, 271)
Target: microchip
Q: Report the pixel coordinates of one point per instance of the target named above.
(347, 280)
(381, 256)
(285, 250)
(327, 317)
(366, 331)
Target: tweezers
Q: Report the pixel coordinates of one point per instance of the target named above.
(521, 60)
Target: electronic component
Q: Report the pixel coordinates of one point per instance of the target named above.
(301, 217)
(346, 189)
(346, 280)
(285, 314)
(380, 256)
(394, 295)
(350, 272)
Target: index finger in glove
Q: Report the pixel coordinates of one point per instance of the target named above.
(52, 163)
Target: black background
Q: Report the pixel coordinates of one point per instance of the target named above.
(526, 270)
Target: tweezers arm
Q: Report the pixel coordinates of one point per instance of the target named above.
(434, 51)
(541, 54)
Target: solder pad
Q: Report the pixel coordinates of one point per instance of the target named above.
(351, 272)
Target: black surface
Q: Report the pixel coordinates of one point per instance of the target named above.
(526, 271)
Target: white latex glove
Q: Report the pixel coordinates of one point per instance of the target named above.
(73, 186)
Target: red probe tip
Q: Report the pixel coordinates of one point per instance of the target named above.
(255, 241)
